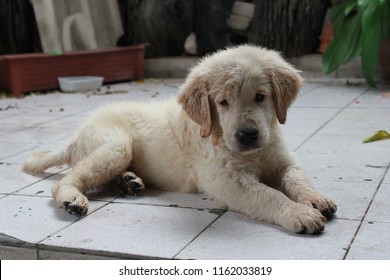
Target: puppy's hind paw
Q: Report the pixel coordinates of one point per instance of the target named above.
(75, 209)
(131, 184)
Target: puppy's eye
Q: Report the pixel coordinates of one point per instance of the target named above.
(224, 103)
(259, 97)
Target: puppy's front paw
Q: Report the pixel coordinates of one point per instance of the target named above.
(301, 218)
(130, 183)
(326, 206)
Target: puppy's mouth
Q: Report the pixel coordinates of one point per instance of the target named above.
(245, 149)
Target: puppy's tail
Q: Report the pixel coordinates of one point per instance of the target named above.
(40, 161)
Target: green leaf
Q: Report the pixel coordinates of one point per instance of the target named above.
(338, 10)
(369, 60)
(363, 3)
(337, 16)
(371, 39)
(332, 59)
(344, 48)
(349, 8)
(352, 38)
(370, 17)
(359, 26)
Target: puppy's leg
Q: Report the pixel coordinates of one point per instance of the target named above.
(298, 187)
(102, 165)
(243, 193)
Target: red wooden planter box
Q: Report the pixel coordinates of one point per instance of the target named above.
(23, 73)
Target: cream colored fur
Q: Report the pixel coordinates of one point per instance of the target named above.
(190, 144)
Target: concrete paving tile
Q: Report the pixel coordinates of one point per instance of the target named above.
(40, 134)
(386, 180)
(8, 111)
(21, 156)
(352, 198)
(13, 178)
(53, 99)
(44, 108)
(308, 87)
(20, 122)
(347, 145)
(136, 230)
(41, 188)
(101, 100)
(32, 219)
(150, 90)
(56, 104)
(308, 120)
(9, 107)
(164, 198)
(55, 131)
(340, 167)
(329, 96)
(373, 98)
(295, 140)
(361, 122)
(9, 149)
(380, 207)
(236, 237)
(371, 243)
(69, 122)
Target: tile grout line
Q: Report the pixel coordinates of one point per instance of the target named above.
(163, 205)
(39, 244)
(192, 240)
(328, 121)
(40, 180)
(365, 213)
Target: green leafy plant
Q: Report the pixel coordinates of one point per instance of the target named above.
(359, 27)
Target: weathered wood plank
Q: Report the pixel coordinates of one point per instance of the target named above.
(290, 26)
(16, 27)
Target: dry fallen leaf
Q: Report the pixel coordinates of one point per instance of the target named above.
(379, 135)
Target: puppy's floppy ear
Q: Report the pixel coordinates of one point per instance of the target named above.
(285, 83)
(194, 99)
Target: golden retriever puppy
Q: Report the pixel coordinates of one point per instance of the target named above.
(221, 136)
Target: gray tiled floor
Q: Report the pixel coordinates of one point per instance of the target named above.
(325, 128)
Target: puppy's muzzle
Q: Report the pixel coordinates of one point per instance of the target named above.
(247, 136)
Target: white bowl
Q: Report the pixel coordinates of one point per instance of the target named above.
(238, 22)
(80, 83)
(243, 9)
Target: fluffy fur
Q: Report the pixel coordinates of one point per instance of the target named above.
(221, 136)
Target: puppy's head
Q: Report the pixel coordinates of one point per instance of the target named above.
(240, 94)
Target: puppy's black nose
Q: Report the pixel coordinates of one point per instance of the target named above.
(247, 136)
